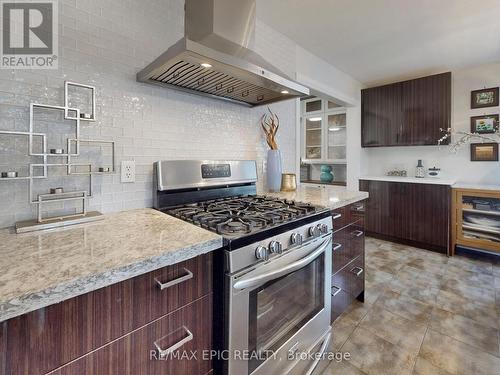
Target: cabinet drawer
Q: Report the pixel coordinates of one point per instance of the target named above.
(186, 331)
(62, 332)
(348, 215)
(351, 278)
(347, 245)
(340, 302)
(339, 218)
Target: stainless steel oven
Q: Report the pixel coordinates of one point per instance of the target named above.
(279, 308)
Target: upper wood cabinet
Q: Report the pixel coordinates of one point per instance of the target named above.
(409, 113)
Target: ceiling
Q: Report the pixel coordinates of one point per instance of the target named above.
(377, 41)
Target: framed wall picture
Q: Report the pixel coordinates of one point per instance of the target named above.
(484, 151)
(486, 124)
(484, 98)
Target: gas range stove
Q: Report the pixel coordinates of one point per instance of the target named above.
(237, 216)
(221, 196)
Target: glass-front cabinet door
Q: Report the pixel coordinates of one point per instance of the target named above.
(336, 135)
(313, 137)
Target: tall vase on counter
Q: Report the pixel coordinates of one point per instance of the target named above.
(270, 124)
(274, 170)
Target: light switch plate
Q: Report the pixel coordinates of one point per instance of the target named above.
(128, 171)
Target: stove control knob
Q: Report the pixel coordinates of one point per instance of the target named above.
(297, 239)
(275, 247)
(323, 228)
(314, 231)
(262, 253)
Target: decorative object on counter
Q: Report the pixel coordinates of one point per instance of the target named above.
(270, 124)
(57, 190)
(305, 171)
(484, 98)
(326, 174)
(484, 152)
(104, 169)
(57, 194)
(419, 169)
(398, 173)
(487, 124)
(288, 182)
(10, 174)
(434, 172)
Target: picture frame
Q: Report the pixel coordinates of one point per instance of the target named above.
(484, 98)
(484, 151)
(486, 124)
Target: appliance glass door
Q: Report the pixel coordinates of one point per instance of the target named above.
(279, 308)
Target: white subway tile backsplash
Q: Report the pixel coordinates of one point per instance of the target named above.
(104, 44)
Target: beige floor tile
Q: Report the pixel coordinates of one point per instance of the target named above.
(424, 367)
(342, 368)
(470, 291)
(390, 266)
(473, 265)
(355, 312)
(375, 275)
(373, 290)
(374, 355)
(485, 314)
(397, 330)
(429, 266)
(410, 273)
(342, 329)
(466, 330)
(456, 357)
(496, 269)
(480, 280)
(405, 306)
(420, 288)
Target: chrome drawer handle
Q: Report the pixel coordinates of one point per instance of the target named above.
(336, 216)
(359, 208)
(337, 291)
(189, 275)
(357, 233)
(336, 246)
(358, 272)
(162, 353)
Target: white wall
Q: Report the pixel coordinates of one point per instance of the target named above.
(327, 81)
(104, 43)
(377, 161)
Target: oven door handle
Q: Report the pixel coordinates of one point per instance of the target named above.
(249, 282)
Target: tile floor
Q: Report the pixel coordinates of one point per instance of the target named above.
(424, 314)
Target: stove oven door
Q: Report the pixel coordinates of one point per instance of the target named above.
(279, 310)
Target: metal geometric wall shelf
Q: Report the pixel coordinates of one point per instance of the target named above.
(84, 116)
(69, 165)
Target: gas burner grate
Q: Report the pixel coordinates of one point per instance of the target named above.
(242, 215)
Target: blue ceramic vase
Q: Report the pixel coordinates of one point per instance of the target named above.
(274, 170)
(326, 174)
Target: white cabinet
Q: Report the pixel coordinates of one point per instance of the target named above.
(323, 132)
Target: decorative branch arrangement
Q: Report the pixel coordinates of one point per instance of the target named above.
(270, 124)
(467, 137)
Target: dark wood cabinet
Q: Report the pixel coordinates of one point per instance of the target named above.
(410, 213)
(348, 257)
(409, 113)
(43, 340)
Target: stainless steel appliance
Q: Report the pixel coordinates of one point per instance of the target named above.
(276, 264)
(214, 59)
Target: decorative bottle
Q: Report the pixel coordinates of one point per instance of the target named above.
(420, 170)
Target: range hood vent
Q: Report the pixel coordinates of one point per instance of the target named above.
(213, 59)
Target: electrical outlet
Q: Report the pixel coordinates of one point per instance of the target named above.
(128, 171)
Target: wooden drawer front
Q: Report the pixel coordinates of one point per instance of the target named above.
(349, 214)
(351, 278)
(135, 353)
(340, 302)
(347, 245)
(62, 332)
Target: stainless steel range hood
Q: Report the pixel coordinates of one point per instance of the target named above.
(213, 58)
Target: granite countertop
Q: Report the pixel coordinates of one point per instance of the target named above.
(46, 267)
(327, 196)
(413, 180)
